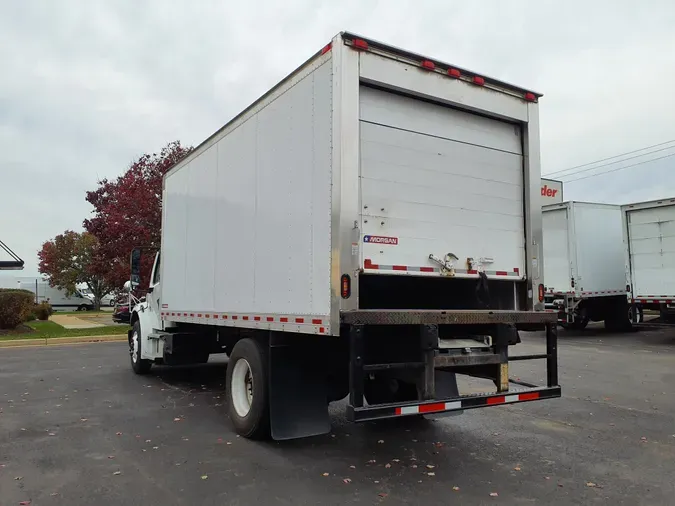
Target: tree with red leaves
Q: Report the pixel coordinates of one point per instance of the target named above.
(72, 258)
(128, 211)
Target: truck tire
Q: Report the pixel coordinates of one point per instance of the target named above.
(388, 390)
(577, 325)
(639, 315)
(619, 320)
(138, 364)
(247, 389)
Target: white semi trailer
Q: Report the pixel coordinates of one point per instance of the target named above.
(649, 249)
(584, 264)
(370, 227)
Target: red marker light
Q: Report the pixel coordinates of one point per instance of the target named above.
(541, 293)
(346, 286)
(326, 48)
(454, 73)
(480, 81)
(530, 97)
(428, 64)
(359, 44)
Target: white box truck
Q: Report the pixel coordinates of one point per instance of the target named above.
(584, 264)
(649, 249)
(370, 227)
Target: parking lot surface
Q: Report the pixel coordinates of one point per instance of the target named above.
(77, 427)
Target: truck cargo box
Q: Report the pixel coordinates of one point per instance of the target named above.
(363, 164)
(583, 249)
(649, 246)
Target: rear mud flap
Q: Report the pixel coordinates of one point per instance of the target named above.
(297, 395)
(446, 387)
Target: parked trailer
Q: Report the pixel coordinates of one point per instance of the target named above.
(649, 249)
(370, 228)
(584, 264)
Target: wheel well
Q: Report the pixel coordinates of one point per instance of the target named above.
(133, 319)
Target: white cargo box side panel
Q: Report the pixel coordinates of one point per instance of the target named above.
(600, 265)
(651, 243)
(247, 221)
(557, 249)
(436, 180)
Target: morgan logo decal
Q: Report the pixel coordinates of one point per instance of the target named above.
(380, 239)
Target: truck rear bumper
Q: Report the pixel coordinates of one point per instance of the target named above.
(445, 317)
(369, 413)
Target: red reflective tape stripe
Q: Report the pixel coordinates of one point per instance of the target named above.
(530, 396)
(199, 315)
(322, 330)
(496, 400)
(245, 317)
(399, 267)
(317, 322)
(299, 320)
(368, 264)
(426, 269)
(235, 317)
(326, 48)
(270, 319)
(215, 316)
(256, 318)
(501, 273)
(430, 408)
(398, 411)
(192, 315)
(472, 271)
(184, 314)
(283, 320)
(224, 317)
(516, 270)
(208, 315)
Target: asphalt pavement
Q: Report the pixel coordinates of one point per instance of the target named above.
(78, 428)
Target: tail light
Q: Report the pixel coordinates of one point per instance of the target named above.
(346, 286)
(428, 64)
(359, 44)
(541, 293)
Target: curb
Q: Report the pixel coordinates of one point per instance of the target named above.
(51, 341)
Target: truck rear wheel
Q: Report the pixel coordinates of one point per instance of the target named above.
(579, 324)
(138, 364)
(388, 390)
(247, 389)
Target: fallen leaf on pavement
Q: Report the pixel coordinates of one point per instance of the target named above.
(177, 419)
(381, 441)
(119, 433)
(516, 468)
(455, 489)
(382, 494)
(229, 443)
(51, 434)
(414, 466)
(117, 473)
(387, 465)
(372, 461)
(429, 466)
(148, 440)
(590, 484)
(352, 467)
(395, 460)
(205, 477)
(19, 478)
(111, 456)
(494, 494)
(24, 503)
(155, 447)
(347, 480)
(431, 474)
(84, 419)
(547, 477)
(326, 474)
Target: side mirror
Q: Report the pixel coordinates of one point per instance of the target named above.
(135, 267)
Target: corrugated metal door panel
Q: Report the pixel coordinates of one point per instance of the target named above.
(439, 180)
(651, 234)
(557, 267)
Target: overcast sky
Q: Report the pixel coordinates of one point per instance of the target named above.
(87, 86)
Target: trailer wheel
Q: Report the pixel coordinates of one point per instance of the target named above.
(247, 389)
(138, 364)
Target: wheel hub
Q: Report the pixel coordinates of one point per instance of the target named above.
(242, 387)
(133, 349)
